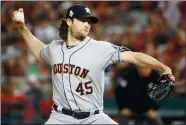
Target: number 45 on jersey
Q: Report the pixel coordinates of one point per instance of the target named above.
(85, 88)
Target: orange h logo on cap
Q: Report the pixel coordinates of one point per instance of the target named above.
(87, 10)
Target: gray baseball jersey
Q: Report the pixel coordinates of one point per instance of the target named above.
(78, 72)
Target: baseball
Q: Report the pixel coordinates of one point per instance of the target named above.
(19, 17)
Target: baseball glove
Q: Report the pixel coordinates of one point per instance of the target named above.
(161, 90)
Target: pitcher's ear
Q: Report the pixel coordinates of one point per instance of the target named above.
(69, 21)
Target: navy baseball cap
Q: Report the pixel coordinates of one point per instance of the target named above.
(80, 11)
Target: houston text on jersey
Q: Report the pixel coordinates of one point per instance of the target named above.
(71, 69)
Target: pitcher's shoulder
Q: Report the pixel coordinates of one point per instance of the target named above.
(101, 43)
(57, 42)
(97, 42)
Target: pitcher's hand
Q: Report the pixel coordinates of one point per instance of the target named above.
(18, 18)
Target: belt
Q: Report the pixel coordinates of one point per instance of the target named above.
(78, 115)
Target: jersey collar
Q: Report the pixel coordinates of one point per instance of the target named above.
(81, 44)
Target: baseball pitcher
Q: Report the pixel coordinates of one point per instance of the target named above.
(78, 62)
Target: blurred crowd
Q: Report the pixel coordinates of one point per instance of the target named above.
(143, 26)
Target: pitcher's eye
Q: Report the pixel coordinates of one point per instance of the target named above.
(85, 20)
(89, 21)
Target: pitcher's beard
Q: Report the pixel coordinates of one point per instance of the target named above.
(80, 36)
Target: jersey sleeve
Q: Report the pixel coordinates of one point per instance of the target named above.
(48, 51)
(112, 53)
(44, 53)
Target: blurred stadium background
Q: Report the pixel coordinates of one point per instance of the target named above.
(155, 28)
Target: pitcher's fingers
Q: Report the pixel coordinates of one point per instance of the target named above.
(15, 12)
(21, 10)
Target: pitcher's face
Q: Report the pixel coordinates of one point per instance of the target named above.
(80, 28)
